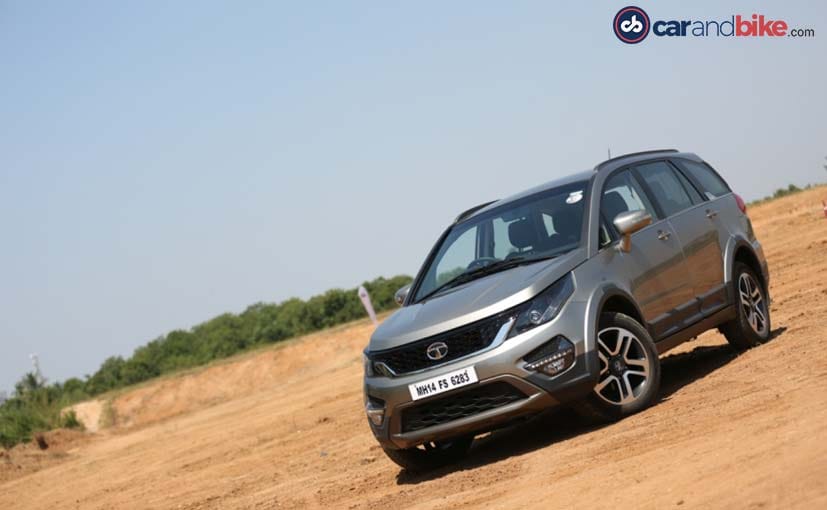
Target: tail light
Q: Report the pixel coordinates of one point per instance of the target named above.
(741, 204)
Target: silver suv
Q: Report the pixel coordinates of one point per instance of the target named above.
(565, 293)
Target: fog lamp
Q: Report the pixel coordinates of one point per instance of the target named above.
(375, 411)
(551, 358)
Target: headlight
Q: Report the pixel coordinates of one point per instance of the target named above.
(544, 307)
(368, 365)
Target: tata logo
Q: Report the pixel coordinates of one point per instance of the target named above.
(436, 351)
(631, 25)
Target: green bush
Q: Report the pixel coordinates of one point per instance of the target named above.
(36, 407)
(69, 420)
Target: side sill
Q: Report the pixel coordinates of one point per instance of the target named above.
(696, 329)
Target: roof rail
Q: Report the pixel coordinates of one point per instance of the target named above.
(655, 151)
(471, 211)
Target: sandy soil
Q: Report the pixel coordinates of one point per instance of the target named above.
(284, 427)
(25, 459)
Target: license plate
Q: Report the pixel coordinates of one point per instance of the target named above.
(443, 383)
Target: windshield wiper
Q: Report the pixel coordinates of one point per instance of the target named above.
(486, 270)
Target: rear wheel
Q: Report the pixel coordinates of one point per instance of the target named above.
(629, 377)
(431, 455)
(751, 325)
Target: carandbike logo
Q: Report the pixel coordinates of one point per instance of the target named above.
(631, 25)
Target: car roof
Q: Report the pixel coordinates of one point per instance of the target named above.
(606, 166)
(637, 157)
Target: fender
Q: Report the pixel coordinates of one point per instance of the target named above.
(733, 244)
(595, 303)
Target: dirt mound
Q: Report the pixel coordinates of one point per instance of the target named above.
(30, 457)
(307, 358)
(284, 427)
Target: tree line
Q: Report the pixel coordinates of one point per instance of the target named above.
(35, 406)
(783, 192)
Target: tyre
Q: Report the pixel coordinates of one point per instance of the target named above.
(751, 325)
(430, 455)
(629, 378)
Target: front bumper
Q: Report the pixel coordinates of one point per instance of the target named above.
(501, 363)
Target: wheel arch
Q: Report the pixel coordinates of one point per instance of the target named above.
(610, 298)
(622, 303)
(739, 250)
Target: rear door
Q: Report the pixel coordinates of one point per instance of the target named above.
(716, 193)
(655, 265)
(678, 200)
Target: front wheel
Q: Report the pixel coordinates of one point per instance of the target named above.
(629, 377)
(430, 455)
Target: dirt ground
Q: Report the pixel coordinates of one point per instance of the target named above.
(27, 458)
(284, 427)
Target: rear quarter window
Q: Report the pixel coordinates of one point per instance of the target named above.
(711, 184)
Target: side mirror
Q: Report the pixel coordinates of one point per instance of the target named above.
(628, 223)
(402, 294)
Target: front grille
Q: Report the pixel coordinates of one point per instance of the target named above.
(461, 405)
(461, 342)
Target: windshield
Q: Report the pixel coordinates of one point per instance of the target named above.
(536, 227)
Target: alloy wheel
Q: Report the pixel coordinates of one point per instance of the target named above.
(753, 303)
(624, 366)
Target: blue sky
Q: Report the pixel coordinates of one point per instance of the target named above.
(161, 164)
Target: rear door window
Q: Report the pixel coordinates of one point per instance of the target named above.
(711, 184)
(690, 188)
(667, 191)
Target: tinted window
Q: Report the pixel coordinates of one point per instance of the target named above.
(622, 193)
(712, 185)
(693, 193)
(604, 239)
(666, 189)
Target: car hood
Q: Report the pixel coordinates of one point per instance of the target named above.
(472, 301)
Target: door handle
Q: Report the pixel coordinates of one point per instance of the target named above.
(663, 236)
(711, 214)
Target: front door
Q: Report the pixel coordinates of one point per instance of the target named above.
(660, 281)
